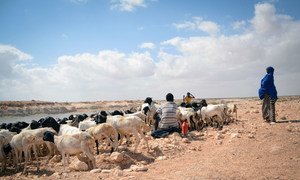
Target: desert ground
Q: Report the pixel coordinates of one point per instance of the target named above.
(248, 148)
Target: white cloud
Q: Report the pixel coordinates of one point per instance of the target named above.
(239, 25)
(82, 76)
(10, 57)
(271, 39)
(127, 5)
(267, 21)
(207, 66)
(147, 45)
(198, 23)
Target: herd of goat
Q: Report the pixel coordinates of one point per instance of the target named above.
(79, 134)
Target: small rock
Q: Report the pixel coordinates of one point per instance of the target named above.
(220, 142)
(106, 154)
(56, 175)
(175, 143)
(65, 175)
(96, 171)
(117, 157)
(105, 171)
(118, 172)
(255, 111)
(210, 135)
(144, 147)
(175, 135)
(224, 131)
(283, 118)
(240, 131)
(160, 158)
(79, 166)
(219, 136)
(138, 168)
(76, 176)
(290, 128)
(165, 149)
(250, 135)
(121, 148)
(192, 148)
(127, 170)
(167, 140)
(196, 134)
(55, 159)
(235, 135)
(143, 162)
(185, 140)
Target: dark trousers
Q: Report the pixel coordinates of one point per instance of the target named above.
(268, 108)
(159, 133)
(156, 119)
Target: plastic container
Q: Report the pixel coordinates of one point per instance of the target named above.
(184, 128)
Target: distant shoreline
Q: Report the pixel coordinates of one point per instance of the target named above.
(88, 102)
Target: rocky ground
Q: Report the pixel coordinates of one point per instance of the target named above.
(246, 149)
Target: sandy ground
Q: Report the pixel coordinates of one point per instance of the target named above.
(246, 149)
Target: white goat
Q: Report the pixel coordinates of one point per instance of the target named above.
(5, 138)
(61, 129)
(23, 142)
(150, 113)
(67, 129)
(131, 124)
(229, 109)
(232, 108)
(190, 115)
(209, 112)
(74, 144)
(39, 133)
(139, 114)
(26, 140)
(84, 125)
(106, 131)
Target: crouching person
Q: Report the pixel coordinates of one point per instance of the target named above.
(166, 119)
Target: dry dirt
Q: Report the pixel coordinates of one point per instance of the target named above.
(246, 149)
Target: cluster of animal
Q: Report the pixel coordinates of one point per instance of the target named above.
(200, 114)
(79, 134)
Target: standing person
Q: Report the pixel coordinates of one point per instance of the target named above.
(268, 93)
(188, 99)
(165, 118)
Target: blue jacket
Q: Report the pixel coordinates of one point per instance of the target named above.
(267, 85)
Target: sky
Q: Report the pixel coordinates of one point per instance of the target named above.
(93, 50)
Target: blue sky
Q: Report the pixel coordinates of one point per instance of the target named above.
(76, 50)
